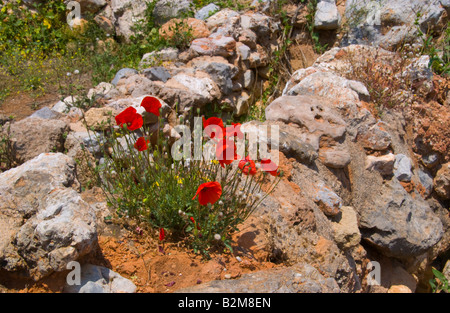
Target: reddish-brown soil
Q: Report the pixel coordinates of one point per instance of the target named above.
(22, 105)
(138, 258)
(301, 56)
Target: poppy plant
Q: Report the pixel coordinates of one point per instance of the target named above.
(208, 193)
(193, 221)
(162, 234)
(131, 118)
(151, 105)
(247, 166)
(141, 144)
(212, 126)
(226, 152)
(269, 166)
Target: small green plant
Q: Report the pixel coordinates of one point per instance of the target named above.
(439, 283)
(318, 47)
(439, 52)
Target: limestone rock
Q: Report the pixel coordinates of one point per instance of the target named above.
(314, 114)
(102, 90)
(67, 107)
(206, 11)
(91, 6)
(214, 45)
(99, 279)
(399, 225)
(157, 74)
(100, 118)
(375, 137)
(46, 113)
(223, 17)
(300, 278)
(402, 168)
(127, 13)
(33, 136)
(203, 86)
(383, 164)
(346, 231)
(290, 141)
(426, 181)
(221, 72)
(328, 201)
(123, 73)
(167, 9)
(442, 182)
(327, 16)
(45, 223)
(369, 20)
(196, 28)
(344, 93)
(334, 157)
(154, 58)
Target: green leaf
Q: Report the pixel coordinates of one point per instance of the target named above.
(439, 275)
(226, 243)
(432, 284)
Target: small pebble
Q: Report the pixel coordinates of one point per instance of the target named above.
(227, 276)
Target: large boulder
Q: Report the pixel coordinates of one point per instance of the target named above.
(99, 279)
(45, 223)
(167, 9)
(315, 115)
(343, 93)
(300, 278)
(33, 136)
(125, 15)
(288, 140)
(396, 223)
(390, 23)
(442, 182)
(219, 69)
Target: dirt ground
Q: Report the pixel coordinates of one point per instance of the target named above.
(138, 257)
(22, 105)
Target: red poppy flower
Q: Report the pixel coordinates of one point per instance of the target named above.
(162, 234)
(131, 118)
(193, 221)
(151, 105)
(226, 152)
(247, 166)
(208, 193)
(212, 126)
(141, 144)
(269, 166)
(234, 131)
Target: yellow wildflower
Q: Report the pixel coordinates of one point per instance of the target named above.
(47, 23)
